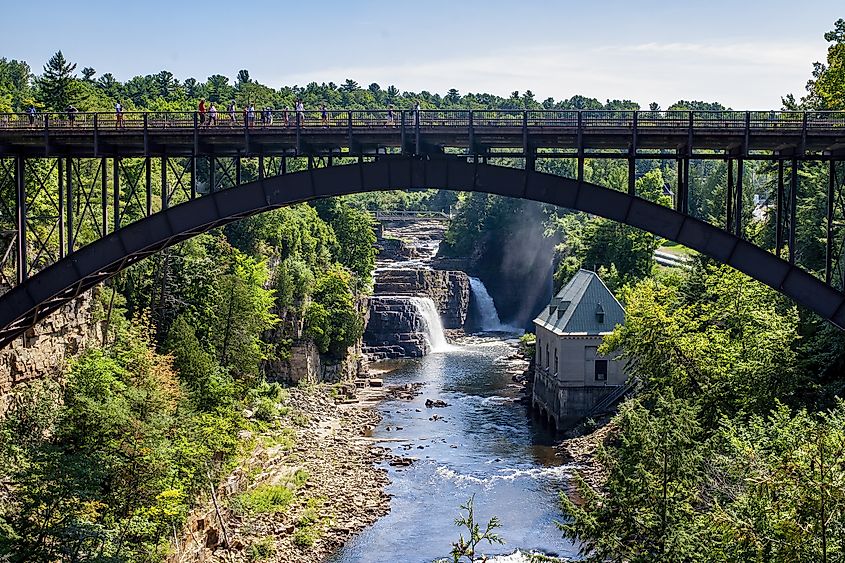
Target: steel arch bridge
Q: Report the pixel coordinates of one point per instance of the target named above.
(47, 192)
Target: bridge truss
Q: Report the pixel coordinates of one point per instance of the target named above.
(65, 185)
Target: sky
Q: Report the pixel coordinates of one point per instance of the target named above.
(744, 54)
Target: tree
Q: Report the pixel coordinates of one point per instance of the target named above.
(243, 77)
(646, 510)
(108, 84)
(218, 88)
(349, 85)
(57, 84)
(192, 87)
(166, 85)
(88, 74)
(825, 89)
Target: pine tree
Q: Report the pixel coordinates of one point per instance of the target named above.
(58, 83)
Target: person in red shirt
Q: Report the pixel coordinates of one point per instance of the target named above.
(201, 110)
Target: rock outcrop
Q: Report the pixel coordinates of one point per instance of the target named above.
(395, 329)
(450, 290)
(298, 359)
(43, 351)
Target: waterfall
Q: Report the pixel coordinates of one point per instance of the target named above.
(433, 325)
(489, 318)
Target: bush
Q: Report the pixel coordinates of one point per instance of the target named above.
(262, 549)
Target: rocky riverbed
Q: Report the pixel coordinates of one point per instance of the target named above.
(322, 453)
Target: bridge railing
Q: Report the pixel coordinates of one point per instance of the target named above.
(376, 118)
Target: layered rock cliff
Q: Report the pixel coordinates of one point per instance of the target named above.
(43, 351)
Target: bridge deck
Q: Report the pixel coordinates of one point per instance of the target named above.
(554, 133)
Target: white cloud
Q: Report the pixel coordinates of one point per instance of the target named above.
(741, 74)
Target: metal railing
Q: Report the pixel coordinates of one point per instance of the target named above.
(334, 119)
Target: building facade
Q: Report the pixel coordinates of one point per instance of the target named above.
(571, 378)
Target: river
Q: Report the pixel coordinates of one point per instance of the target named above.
(484, 445)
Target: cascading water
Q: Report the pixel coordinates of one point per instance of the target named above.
(489, 318)
(434, 326)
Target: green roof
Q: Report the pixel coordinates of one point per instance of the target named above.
(583, 306)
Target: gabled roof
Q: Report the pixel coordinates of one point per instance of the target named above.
(583, 306)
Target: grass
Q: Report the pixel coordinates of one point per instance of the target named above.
(309, 525)
(674, 248)
(270, 499)
(263, 549)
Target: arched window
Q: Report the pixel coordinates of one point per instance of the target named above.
(547, 355)
(555, 361)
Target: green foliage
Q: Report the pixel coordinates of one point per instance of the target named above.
(527, 344)
(270, 499)
(262, 549)
(332, 320)
(467, 548)
(721, 338)
(58, 85)
(355, 237)
(828, 82)
(645, 512)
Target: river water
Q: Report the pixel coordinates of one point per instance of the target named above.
(484, 445)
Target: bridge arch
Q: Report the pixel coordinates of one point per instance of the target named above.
(26, 304)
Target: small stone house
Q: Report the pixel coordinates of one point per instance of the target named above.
(570, 377)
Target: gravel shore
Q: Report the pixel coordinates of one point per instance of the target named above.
(342, 494)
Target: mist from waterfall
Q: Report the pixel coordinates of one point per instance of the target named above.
(433, 324)
(488, 316)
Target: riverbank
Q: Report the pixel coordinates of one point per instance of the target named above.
(303, 487)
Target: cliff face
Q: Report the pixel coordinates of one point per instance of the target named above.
(450, 290)
(395, 329)
(302, 361)
(44, 350)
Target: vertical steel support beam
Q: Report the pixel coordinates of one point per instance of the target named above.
(580, 173)
(828, 254)
(260, 166)
(238, 170)
(632, 158)
(104, 194)
(284, 165)
(59, 163)
(20, 213)
(116, 202)
(779, 211)
(525, 136)
(165, 189)
(71, 235)
(194, 176)
(679, 188)
(729, 202)
(740, 173)
(148, 182)
(685, 201)
(212, 176)
(793, 201)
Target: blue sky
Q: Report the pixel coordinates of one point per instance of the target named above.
(744, 54)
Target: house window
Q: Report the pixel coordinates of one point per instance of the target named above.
(555, 361)
(547, 355)
(601, 370)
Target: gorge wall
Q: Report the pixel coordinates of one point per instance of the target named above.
(43, 351)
